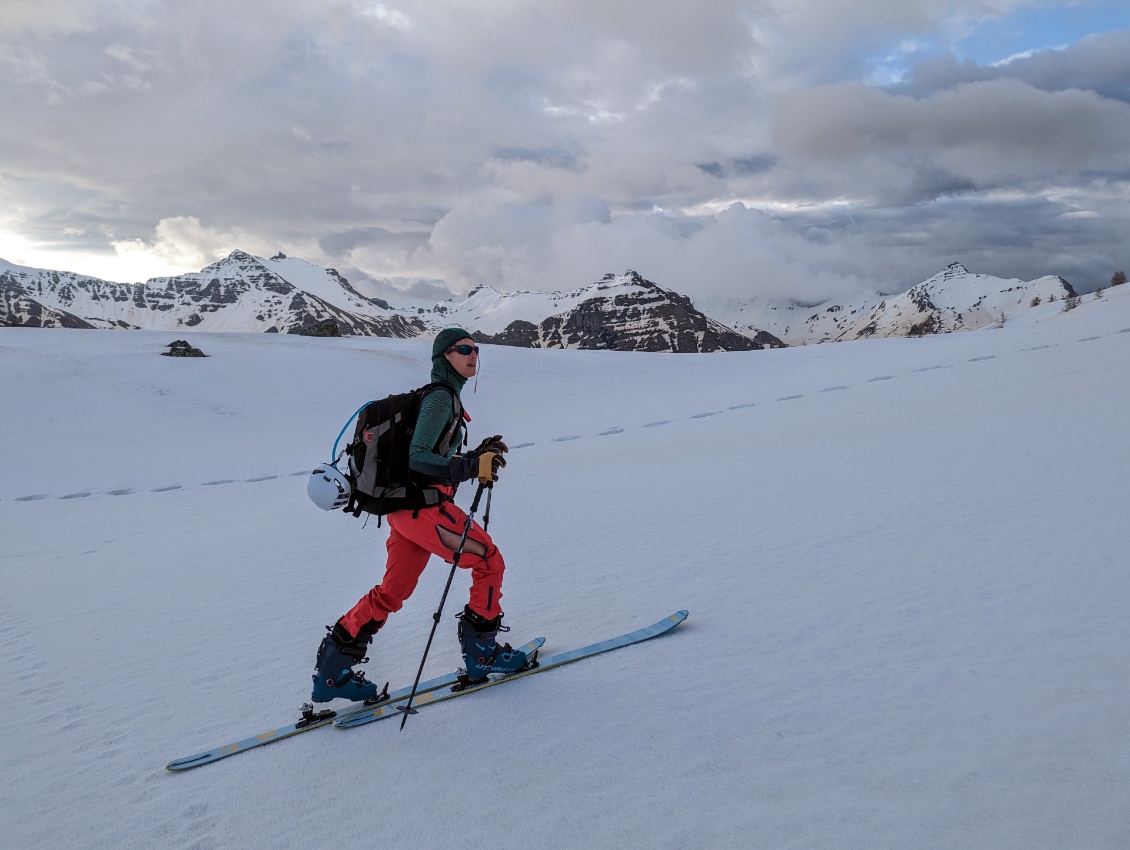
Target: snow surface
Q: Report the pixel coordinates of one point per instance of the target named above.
(904, 561)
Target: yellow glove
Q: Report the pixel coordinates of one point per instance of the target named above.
(490, 461)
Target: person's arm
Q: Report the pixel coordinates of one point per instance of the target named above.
(433, 420)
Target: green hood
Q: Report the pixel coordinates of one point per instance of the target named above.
(441, 369)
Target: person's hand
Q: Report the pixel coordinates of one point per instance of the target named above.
(482, 462)
(490, 461)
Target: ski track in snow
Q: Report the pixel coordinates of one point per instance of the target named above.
(94, 493)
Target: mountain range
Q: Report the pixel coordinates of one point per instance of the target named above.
(955, 299)
(238, 293)
(622, 312)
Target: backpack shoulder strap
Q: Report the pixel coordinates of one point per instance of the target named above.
(444, 443)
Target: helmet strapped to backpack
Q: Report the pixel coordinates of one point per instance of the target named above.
(328, 488)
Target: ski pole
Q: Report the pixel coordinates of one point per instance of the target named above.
(407, 707)
(486, 510)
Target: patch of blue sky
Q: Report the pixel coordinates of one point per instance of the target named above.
(989, 41)
(1039, 27)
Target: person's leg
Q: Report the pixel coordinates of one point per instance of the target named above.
(439, 530)
(348, 641)
(405, 564)
(480, 556)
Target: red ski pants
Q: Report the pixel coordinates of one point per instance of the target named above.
(411, 542)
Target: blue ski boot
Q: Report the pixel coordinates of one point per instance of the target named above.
(334, 676)
(481, 652)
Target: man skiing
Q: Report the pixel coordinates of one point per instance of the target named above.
(416, 535)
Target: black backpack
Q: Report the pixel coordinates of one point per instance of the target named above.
(378, 472)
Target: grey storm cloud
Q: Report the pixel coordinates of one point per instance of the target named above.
(984, 134)
(723, 148)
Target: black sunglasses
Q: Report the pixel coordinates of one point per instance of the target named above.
(464, 349)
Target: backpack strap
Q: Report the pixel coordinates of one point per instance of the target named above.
(444, 444)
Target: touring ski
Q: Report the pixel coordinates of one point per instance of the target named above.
(439, 694)
(317, 721)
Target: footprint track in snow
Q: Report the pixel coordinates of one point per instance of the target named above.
(126, 491)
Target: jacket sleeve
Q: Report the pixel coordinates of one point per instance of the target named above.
(433, 420)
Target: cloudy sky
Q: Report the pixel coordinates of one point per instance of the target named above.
(784, 149)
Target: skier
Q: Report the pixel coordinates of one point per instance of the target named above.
(416, 535)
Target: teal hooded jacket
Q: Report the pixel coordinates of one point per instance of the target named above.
(436, 414)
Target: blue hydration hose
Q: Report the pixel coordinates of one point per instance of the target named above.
(352, 416)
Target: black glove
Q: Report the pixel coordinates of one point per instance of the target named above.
(462, 468)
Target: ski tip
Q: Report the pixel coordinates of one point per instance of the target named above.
(189, 762)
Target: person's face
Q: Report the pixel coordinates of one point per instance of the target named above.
(464, 364)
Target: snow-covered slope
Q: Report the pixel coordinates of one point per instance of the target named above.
(952, 300)
(325, 284)
(904, 560)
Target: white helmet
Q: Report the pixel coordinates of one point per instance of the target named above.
(328, 488)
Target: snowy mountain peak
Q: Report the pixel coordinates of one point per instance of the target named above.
(954, 299)
(241, 292)
(952, 270)
(620, 312)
